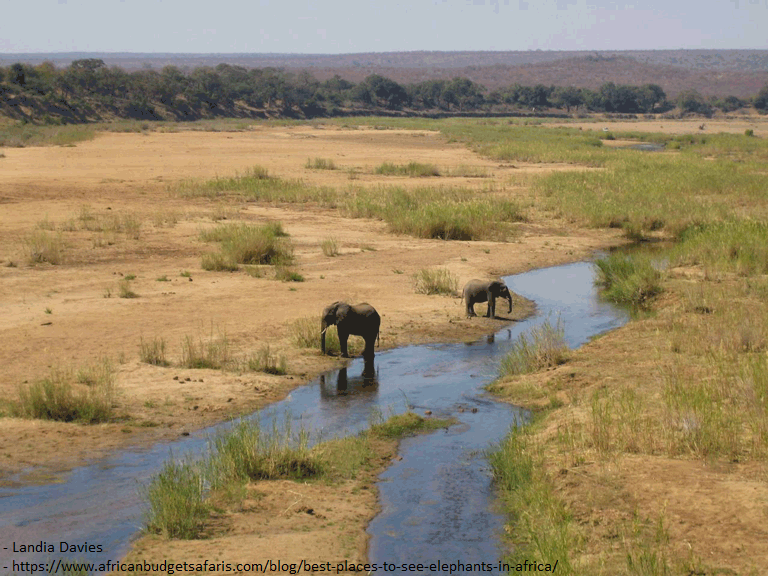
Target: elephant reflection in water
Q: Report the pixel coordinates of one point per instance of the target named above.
(366, 383)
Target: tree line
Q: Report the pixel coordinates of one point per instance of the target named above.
(88, 88)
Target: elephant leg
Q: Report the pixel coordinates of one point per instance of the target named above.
(470, 308)
(343, 337)
(370, 342)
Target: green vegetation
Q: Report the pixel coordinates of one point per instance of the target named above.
(542, 529)
(631, 279)
(541, 347)
(85, 397)
(412, 169)
(441, 213)
(177, 506)
(436, 281)
(247, 244)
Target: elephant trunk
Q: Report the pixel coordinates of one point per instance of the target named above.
(323, 329)
(510, 304)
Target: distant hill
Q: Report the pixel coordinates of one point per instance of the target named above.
(712, 72)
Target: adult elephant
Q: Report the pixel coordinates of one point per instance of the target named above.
(485, 291)
(359, 319)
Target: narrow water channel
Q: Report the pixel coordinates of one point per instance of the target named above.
(436, 501)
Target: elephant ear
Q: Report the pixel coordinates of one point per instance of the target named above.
(341, 311)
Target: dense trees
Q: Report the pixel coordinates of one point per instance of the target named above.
(89, 88)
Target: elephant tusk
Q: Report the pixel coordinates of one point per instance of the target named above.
(324, 331)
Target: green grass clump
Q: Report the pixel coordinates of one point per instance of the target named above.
(412, 169)
(176, 506)
(247, 244)
(153, 352)
(249, 453)
(320, 164)
(631, 279)
(543, 346)
(401, 425)
(56, 397)
(436, 281)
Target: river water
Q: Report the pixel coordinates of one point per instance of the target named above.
(436, 501)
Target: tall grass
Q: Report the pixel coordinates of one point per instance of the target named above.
(540, 527)
(541, 347)
(213, 353)
(633, 279)
(176, 508)
(441, 213)
(436, 281)
(739, 246)
(153, 351)
(265, 361)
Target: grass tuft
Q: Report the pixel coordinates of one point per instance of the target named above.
(153, 352)
(85, 397)
(247, 244)
(632, 279)
(436, 281)
(543, 346)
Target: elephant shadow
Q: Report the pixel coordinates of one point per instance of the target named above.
(366, 383)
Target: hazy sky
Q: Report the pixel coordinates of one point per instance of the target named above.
(344, 26)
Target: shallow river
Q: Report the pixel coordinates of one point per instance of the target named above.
(436, 501)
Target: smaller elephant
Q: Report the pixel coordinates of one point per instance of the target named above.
(359, 319)
(485, 291)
